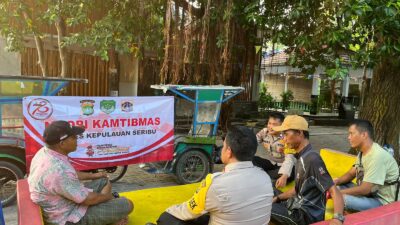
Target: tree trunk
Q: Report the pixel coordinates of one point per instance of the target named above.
(167, 37)
(333, 94)
(205, 31)
(364, 87)
(64, 55)
(41, 57)
(227, 52)
(39, 48)
(382, 106)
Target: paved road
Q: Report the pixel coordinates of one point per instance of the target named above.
(136, 178)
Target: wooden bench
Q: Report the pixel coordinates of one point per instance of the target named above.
(28, 212)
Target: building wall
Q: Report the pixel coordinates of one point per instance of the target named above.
(300, 87)
(129, 71)
(10, 62)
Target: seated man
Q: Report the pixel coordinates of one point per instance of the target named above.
(55, 185)
(376, 171)
(279, 166)
(305, 203)
(241, 194)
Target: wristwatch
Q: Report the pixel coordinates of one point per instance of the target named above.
(339, 217)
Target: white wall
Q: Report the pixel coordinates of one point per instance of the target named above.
(10, 62)
(129, 75)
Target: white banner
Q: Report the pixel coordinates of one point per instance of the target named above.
(119, 130)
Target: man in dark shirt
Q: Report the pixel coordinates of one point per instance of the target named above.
(305, 203)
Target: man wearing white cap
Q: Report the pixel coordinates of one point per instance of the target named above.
(305, 203)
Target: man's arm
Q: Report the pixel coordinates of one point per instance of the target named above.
(285, 195)
(90, 176)
(347, 177)
(338, 203)
(285, 170)
(96, 198)
(198, 204)
(364, 189)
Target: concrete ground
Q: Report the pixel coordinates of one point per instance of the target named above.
(136, 178)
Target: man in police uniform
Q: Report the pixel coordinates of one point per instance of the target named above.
(241, 194)
(305, 203)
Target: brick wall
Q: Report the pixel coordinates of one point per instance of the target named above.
(300, 87)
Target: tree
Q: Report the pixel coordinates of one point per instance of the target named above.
(287, 97)
(318, 32)
(266, 100)
(21, 19)
(17, 20)
(208, 42)
(109, 27)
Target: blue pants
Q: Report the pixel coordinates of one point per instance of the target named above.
(358, 203)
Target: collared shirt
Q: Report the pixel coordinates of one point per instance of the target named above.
(242, 194)
(285, 161)
(54, 186)
(311, 183)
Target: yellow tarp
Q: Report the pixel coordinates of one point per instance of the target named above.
(150, 203)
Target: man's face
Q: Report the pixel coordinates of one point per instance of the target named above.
(70, 144)
(356, 138)
(273, 122)
(226, 153)
(293, 139)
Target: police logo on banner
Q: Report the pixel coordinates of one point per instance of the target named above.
(107, 106)
(87, 107)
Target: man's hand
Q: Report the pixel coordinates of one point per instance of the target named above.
(281, 182)
(274, 199)
(336, 181)
(335, 222)
(101, 174)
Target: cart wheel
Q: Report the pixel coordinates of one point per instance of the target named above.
(114, 173)
(9, 174)
(191, 167)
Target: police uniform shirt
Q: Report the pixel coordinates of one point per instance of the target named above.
(242, 194)
(312, 182)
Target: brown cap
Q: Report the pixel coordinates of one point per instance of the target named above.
(60, 130)
(292, 122)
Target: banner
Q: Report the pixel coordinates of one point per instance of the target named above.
(119, 130)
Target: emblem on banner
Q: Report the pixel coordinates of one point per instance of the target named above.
(107, 106)
(127, 106)
(89, 151)
(87, 107)
(40, 109)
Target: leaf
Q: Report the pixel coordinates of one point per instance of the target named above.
(354, 48)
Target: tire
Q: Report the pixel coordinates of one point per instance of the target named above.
(192, 167)
(9, 174)
(114, 173)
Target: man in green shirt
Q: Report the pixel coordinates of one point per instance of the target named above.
(375, 170)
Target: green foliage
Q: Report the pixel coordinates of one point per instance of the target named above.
(125, 26)
(317, 32)
(287, 97)
(265, 98)
(338, 71)
(13, 25)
